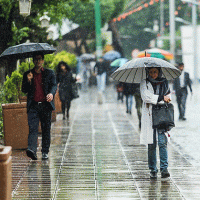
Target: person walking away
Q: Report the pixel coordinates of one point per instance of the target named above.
(65, 80)
(100, 70)
(120, 91)
(85, 74)
(180, 86)
(154, 90)
(128, 92)
(138, 101)
(40, 85)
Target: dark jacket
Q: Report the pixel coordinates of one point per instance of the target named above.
(131, 88)
(187, 82)
(101, 67)
(49, 86)
(65, 86)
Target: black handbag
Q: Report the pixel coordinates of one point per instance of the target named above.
(163, 116)
(75, 91)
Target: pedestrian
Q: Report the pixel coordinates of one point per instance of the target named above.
(180, 86)
(133, 90)
(154, 90)
(40, 85)
(65, 80)
(120, 91)
(100, 70)
(85, 71)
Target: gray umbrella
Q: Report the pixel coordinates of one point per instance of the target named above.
(134, 71)
(27, 50)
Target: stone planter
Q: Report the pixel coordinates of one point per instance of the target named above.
(15, 125)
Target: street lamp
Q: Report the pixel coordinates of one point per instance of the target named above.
(24, 7)
(45, 20)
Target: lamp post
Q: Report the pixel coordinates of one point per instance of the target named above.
(98, 29)
(24, 7)
(44, 20)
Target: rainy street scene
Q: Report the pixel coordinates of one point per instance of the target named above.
(99, 100)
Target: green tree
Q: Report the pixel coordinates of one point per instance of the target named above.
(15, 29)
(84, 15)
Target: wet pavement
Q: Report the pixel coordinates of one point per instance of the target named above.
(97, 155)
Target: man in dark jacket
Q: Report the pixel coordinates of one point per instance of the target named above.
(40, 86)
(180, 87)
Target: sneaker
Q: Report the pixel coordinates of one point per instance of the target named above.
(153, 175)
(165, 173)
(31, 154)
(45, 156)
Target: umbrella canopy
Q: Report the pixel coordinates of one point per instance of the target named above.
(87, 57)
(111, 55)
(26, 50)
(119, 62)
(134, 71)
(156, 53)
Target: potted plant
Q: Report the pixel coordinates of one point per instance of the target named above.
(15, 123)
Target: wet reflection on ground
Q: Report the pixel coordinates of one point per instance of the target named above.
(96, 155)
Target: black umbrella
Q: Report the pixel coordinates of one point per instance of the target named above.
(26, 50)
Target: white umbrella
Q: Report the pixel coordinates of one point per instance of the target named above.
(134, 71)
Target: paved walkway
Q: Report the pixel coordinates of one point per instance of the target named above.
(97, 156)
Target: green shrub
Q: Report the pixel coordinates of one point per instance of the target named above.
(2, 100)
(13, 86)
(25, 66)
(69, 58)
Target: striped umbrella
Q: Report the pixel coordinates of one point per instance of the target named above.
(134, 71)
(156, 53)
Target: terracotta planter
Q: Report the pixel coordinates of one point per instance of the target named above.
(15, 125)
(5, 173)
(58, 107)
(23, 99)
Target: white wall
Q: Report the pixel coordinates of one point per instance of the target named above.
(187, 43)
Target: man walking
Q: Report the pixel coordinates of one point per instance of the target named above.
(40, 86)
(180, 87)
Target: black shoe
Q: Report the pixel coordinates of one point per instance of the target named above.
(153, 175)
(31, 154)
(183, 118)
(165, 173)
(45, 156)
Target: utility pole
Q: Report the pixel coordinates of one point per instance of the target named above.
(194, 24)
(98, 29)
(172, 28)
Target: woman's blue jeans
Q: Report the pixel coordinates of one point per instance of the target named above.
(129, 102)
(162, 144)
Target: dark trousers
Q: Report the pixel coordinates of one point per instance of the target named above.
(181, 96)
(66, 104)
(39, 112)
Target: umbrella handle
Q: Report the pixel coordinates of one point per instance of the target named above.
(145, 53)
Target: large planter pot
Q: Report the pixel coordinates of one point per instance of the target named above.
(15, 124)
(58, 107)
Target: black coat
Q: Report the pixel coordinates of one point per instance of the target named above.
(131, 88)
(49, 86)
(65, 86)
(187, 82)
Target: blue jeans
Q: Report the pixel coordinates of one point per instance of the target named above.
(129, 102)
(162, 143)
(101, 82)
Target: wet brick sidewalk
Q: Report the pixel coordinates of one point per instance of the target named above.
(97, 155)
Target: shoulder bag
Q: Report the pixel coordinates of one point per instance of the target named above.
(163, 116)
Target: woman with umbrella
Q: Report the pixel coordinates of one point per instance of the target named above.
(152, 74)
(65, 79)
(154, 90)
